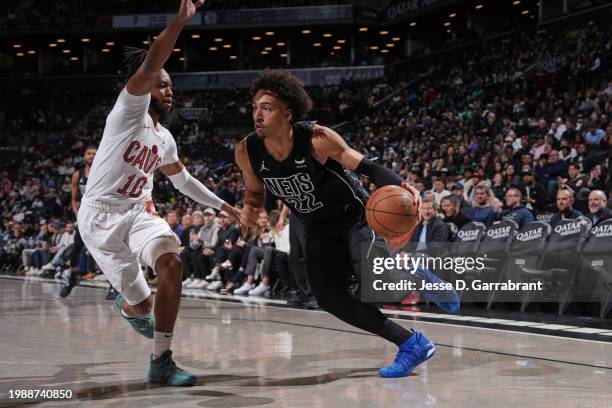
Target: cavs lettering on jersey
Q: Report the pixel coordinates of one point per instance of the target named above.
(129, 153)
(310, 189)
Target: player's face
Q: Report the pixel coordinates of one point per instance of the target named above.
(161, 95)
(89, 156)
(270, 114)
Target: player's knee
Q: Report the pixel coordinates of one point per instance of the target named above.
(169, 263)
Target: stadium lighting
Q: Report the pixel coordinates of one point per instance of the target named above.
(384, 51)
(66, 51)
(85, 40)
(452, 15)
(363, 29)
(516, 2)
(264, 52)
(52, 45)
(283, 55)
(233, 57)
(218, 39)
(110, 43)
(316, 44)
(525, 12)
(327, 35)
(341, 41)
(413, 24)
(177, 50)
(20, 54)
(16, 45)
(155, 37)
(390, 45)
(256, 38)
(280, 44)
(395, 39)
(213, 48)
(478, 6)
(105, 50)
(447, 24)
(227, 45)
(374, 47)
(61, 40)
(31, 52)
(195, 36)
(182, 59)
(74, 58)
(306, 31)
(384, 32)
(145, 42)
(268, 48)
(337, 47)
(269, 33)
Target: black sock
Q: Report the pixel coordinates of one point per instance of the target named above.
(394, 333)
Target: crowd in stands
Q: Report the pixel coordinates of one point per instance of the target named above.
(519, 131)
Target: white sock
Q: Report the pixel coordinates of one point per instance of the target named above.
(161, 343)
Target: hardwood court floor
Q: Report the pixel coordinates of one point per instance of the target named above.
(264, 356)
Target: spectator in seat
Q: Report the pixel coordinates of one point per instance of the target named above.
(66, 239)
(535, 196)
(565, 205)
(481, 210)
(439, 190)
(172, 220)
(202, 242)
(514, 209)
(450, 208)
(458, 191)
(598, 211)
(554, 170)
(431, 230)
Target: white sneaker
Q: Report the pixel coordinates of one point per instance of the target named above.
(260, 290)
(214, 286)
(194, 283)
(244, 289)
(58, 275)
(32, 271)
(48, 267)
(66, 274)
(187, 282)
(227, 264)
(39, 272)
(202, 284)
(213, 276)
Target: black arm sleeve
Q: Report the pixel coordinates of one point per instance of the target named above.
(379, 175)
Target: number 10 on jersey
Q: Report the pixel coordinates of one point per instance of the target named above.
(133, 190)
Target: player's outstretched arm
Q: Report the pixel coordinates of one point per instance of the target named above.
(329, 144)
(255, 193)
(144, 79)
(192, 188)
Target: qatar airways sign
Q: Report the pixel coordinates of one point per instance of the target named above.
(406, 8)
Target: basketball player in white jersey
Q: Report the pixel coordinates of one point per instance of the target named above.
(117, 218)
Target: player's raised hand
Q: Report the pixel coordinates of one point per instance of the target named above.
(416, 194)
(187, 9)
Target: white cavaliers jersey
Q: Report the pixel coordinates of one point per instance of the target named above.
(129, 153)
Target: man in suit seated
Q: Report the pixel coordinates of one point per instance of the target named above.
(431, 232)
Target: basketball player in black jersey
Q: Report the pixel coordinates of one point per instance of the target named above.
(303, 164)
(78, 183)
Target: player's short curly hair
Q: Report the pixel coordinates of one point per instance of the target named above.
(287, 87)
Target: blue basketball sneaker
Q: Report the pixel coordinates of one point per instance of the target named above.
(163, 370)
(143, 324)
(445, 299)
(416, 350)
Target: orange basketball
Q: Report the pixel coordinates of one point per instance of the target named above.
(390, 211)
